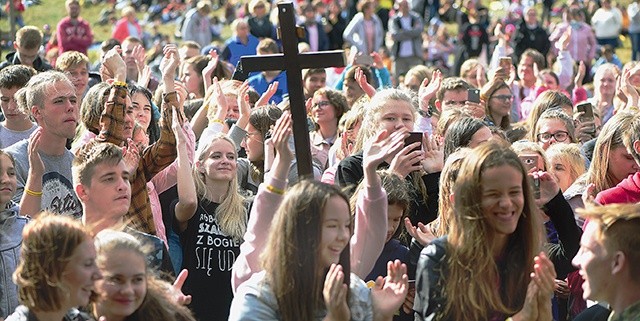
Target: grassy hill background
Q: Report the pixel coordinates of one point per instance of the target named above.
(51, 11)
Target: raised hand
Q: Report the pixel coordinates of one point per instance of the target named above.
(144, 76)
(171, 61)
(207, 72)
(280, 137)
(335, 294)
(433, 157)
(36, 166)
(582, 71)
(407, 160)
(183, 95)
(420, 233)
(380, 147)
(428, 89)
(361, 79)
(512, 76)
(176, 289)
(139, 55)
(480, 76)
(389, 293)
(243, 101)
(589, 194)
(131, 156)
(585, 129)
(529, 310)
(176, 127)
(266, 96)
(563, 43)
(219, 100)
(629, 91)
(544, 275)
(377, 60)
(114, 64)
(548, 187)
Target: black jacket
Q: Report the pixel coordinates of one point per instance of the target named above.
(12, 59)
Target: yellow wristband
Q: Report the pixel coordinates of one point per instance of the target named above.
(120, 84)
(217, 121)
(509, 319)
(32, 193)
(274, 190)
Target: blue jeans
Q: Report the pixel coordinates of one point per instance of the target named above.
(635, 45)
(613, 42)
(175, 250)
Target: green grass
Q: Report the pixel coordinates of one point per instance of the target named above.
(51, 11)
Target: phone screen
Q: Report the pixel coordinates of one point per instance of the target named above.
(505, 63)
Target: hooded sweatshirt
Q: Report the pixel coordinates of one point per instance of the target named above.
(627, 191)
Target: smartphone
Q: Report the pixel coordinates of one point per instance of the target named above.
(474, 95)
(506, 63)
(530, 161)
(587, 110)
(363, 59)
(414, 137)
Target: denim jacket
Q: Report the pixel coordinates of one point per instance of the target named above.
(11, 225)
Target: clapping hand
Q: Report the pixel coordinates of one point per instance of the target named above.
(388, 294)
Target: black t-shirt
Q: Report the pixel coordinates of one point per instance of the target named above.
(209, 255)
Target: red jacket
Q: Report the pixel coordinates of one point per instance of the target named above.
(121, 30)
(74, 36)
(627, 191)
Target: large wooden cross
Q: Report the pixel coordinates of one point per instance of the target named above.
(293, 62)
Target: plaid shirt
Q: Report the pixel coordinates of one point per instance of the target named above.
(152, 160)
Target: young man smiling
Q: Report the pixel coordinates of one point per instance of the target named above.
(609, 258)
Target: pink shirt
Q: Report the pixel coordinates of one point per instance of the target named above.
(366, 244)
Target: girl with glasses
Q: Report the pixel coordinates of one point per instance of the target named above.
(554, 126)
(498, 100)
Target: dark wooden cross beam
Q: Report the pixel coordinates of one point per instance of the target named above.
(293, 62)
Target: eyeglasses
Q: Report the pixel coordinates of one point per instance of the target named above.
(503, 97)
(248, 136)
(559, 136)
(322, 104)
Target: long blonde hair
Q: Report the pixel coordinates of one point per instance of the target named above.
(231, 214)
(611, 136)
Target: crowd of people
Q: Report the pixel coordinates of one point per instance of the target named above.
(494, 177)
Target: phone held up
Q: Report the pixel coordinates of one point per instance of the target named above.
(530, 161)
